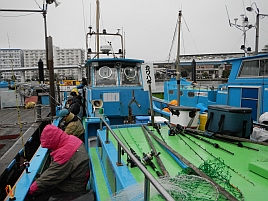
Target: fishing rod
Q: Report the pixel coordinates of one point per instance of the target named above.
(180, 130)
(181, 164)
(158, 127)
(161, 164)
(216, 145)
(129, 160)
(224, 192)
(239, 143)
(147, 158)
(25, 163)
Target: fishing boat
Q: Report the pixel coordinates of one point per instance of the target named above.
(247, 82)
(246, 85)
(138, 155)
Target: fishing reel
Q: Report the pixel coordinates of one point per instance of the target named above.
(157, 127)
(26, 165)
(174, 130)
(147, 158)
(129, 160)
(179, 128)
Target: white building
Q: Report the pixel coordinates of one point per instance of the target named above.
(11, 58)
(62, 57)
(18, 58)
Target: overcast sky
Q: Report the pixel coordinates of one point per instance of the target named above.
(149, 25)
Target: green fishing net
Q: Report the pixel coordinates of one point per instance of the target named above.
(182, 187)
(217, 170)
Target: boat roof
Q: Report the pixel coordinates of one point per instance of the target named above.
(114, 59)
(247, 57)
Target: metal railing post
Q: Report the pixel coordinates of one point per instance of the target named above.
(107, 136)
(101, 120)
(119, 155)
(146, 189)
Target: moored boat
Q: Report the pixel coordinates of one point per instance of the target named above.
(138, 155)
(246, 86)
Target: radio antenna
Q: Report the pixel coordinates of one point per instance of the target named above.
(228, 16)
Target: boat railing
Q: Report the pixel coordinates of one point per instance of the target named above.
(207, 87)
(148, 177)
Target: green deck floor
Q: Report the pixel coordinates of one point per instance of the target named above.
(251, 185)
(100, 180)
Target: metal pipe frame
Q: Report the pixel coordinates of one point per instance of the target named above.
(147, 174)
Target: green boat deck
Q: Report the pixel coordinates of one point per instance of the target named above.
(244, 169)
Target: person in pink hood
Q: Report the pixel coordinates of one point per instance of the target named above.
(69, 170)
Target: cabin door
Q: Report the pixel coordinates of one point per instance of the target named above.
(250, 99)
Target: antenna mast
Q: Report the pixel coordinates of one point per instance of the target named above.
(98, 27)
(178, 58)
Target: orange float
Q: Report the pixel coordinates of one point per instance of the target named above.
(173, 102)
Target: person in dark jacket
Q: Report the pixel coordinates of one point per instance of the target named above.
(69, 170)
(75, 105)
(81, 87)
(71, 124)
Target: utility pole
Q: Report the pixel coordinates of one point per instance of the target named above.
(51, 76)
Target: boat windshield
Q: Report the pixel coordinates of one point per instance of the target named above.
(105, 75)
(117, 74)
(254, 68)
(130, 75)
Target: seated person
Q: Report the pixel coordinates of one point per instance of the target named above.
(75, 105)
(68, 102)
(71, 124)
(74, 108)
(69, 170)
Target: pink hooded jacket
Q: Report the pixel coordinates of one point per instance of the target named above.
(68, 153)
(63, 146)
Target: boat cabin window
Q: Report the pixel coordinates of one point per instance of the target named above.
(105, 75)
(130, 75)
(264, 67)
(191, 94)
(254, 68)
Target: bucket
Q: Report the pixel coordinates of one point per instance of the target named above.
(203, 121)
(185, 116)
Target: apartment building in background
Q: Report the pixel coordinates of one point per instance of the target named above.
(11, 58)
(30, 58)
(61, 57)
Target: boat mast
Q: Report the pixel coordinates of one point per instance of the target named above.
(97, 27)
(178, 58)
(257, 30)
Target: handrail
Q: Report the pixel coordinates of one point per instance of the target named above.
(148, 176)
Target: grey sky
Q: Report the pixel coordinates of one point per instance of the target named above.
(149, 25)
